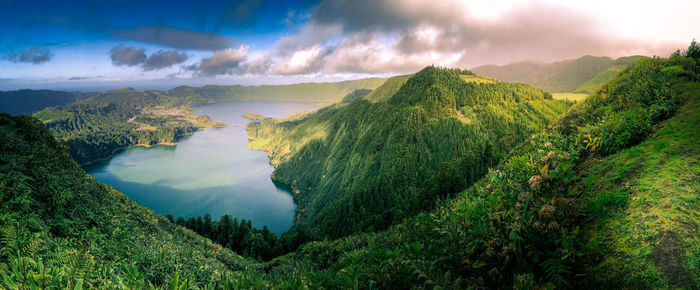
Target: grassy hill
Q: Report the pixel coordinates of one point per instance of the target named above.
(581, 75)
(391, 154)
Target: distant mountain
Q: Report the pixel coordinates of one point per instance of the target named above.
(582, 75)
(31, 101)
(305, 92)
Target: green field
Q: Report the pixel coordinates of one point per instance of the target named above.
(574, 97)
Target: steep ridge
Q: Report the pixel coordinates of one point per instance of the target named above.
(59, 228)
(606, 198)
(370, 164)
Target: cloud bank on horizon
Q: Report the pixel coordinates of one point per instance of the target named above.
(154, 44)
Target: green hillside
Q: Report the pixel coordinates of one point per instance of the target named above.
(581, 75)
(606, 198)
(59, 228)
(369, 164)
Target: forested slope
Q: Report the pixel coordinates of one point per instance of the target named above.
(59, 228)
(606, 198)
(369, 164)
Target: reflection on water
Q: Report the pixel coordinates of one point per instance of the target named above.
(210, 171)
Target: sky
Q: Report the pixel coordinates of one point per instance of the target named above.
(101, 45)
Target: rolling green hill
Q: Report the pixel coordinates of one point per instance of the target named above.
(606, 198)
(370, 164)
(581, 75)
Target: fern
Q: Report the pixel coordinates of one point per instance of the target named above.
(556, 271)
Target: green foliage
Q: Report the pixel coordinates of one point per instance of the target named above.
(368, 165)
(59, 228)
(241, 237)
(521, 225)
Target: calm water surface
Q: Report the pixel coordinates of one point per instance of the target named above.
(211, 171)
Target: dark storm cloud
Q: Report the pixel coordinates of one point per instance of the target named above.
(163, 59)
(176, 38)
(127, 55)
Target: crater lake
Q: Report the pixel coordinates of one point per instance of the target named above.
(211, 171)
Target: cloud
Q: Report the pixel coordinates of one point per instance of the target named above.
(176, 38)
(222, 62)
(34, 55)
(401, 36)
(127, 55)
(163, 59)
(78, 78)
(302, 61)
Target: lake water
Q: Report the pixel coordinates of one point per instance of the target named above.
(211, 171)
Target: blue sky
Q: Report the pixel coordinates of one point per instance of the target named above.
(98, 45)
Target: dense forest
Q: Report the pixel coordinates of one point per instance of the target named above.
(95, 131)
(368, 165)
(604, 198)
(581, 75)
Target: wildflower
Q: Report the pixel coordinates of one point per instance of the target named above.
(518, 205)
(522, 278)
(562, 252)
(535, 182)
(515, 226)
(524, 196)
(553, 226)
(547, 211)
(548, 144)
(550, 154)
(537, 226)
(540, 151)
